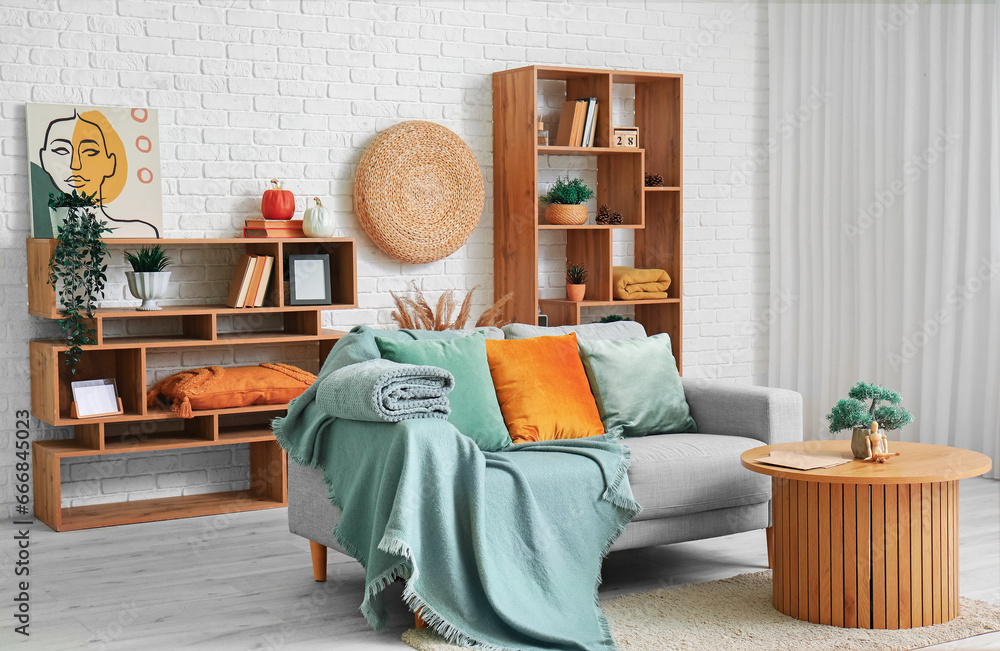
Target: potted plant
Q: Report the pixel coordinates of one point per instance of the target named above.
(148, 280)
(853, 414)
(565, 198)
(77, 263)
(576, 281)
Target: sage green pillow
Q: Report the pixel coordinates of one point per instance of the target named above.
(636, 385)
(475, 410)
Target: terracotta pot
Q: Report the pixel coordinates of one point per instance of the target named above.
(559, 213)
(858, 446)
(575, 292)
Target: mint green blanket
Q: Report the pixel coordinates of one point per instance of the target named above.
(498, 549)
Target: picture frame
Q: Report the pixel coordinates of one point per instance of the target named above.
(309, 279)
(93, 398)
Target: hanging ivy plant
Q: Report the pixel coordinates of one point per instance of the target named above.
(78, 263)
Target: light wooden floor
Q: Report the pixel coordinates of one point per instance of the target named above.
(243, 582)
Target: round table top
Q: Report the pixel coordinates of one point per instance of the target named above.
(918, 463)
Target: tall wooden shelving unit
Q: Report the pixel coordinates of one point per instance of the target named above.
(655, 214)
(142, 429)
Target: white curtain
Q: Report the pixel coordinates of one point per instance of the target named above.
(885, 212)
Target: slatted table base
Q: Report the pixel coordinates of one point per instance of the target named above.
(866, 555)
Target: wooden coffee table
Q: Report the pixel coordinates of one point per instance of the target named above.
(868, 545)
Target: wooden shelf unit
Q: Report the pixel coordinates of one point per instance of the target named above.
(654, 214)
(143, 429)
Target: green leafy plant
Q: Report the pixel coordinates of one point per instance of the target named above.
(852, 412)
(568, 191)
(77, 263)
(611, 318)
(74, 200)
(148, 259)
(576, 274)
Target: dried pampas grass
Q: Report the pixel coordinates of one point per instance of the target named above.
(415, 312)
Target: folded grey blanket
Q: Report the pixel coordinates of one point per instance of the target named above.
(386, 391)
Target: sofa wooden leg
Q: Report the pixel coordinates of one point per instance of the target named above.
(769, 535)
(418, 621)
(318, 552)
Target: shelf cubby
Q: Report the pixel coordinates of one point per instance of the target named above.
(123, 350)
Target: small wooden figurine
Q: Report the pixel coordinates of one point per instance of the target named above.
(878, 446)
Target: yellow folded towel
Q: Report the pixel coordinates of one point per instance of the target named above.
(636, 284)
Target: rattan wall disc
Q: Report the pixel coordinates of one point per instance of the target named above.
(418, 192)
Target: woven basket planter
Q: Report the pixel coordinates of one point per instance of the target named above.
(418, 192)
(563, 214)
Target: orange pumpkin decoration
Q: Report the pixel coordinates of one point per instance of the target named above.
(277, 203)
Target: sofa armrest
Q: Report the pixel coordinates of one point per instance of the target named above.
(768, 415)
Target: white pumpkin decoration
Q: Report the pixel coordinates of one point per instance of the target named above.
(318, 221)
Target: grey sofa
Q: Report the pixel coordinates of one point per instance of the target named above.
(690, 486)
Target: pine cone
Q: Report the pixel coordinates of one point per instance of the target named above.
(653, 180)
(616, 218)
(603, 215)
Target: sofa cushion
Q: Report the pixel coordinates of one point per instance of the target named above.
(677, 474)
(613, 330)
(636, 384)
(543, 389)
(475, 411)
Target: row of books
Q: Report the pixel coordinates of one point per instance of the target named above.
(273, 228)
(249, 284)
(577, 123)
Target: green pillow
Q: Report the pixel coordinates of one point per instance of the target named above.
(636, 384)
(475, 410)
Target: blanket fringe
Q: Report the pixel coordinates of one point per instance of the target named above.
(415, 603)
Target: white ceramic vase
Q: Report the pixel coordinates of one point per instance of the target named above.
(58, 217)
(148, 286)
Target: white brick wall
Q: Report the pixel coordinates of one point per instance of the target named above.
(254, 89)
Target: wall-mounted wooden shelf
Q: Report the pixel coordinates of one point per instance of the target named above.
(654, 214)
(143, 429)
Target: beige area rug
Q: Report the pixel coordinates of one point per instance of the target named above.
(737, 614)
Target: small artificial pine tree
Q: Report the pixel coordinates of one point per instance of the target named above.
(851, 412)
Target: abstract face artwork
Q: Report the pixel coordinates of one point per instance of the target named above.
(111, 153)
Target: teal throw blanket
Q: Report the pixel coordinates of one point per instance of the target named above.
(498, 549)
(383, 390)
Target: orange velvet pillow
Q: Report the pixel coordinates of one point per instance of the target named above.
(216, 387)
(542, 388)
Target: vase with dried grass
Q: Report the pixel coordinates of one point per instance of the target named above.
(416, 313)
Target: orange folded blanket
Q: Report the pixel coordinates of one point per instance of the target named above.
(637, 284)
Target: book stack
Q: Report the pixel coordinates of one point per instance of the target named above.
(249, 284)
(273, 228)
(577, 123)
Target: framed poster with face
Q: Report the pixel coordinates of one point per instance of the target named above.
(309, 279)
(112, 153)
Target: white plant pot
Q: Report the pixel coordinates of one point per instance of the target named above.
(148, 286)
(58, 217)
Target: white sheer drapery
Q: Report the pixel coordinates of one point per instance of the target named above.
(885, 212)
